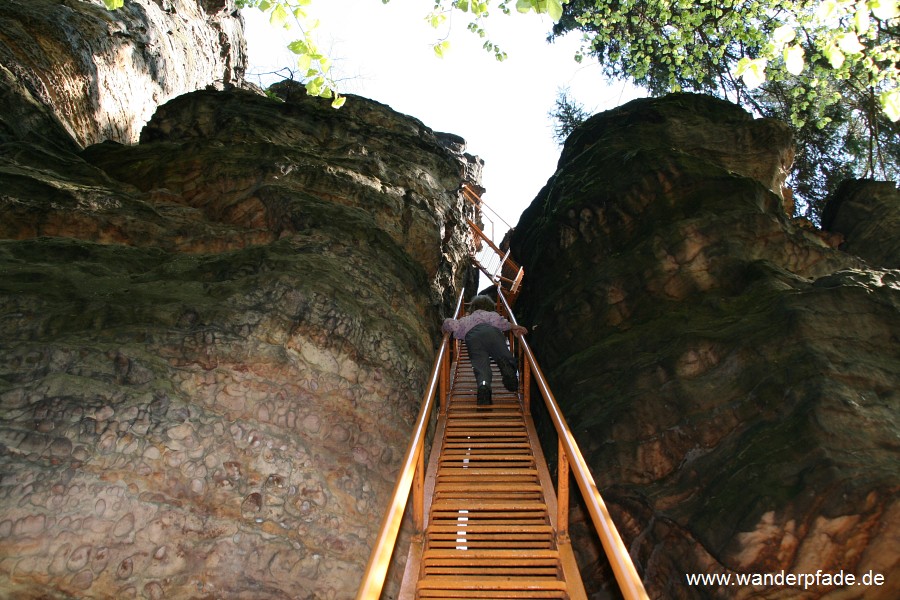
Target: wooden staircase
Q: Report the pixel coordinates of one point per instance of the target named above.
(484, 510)
(490, 530)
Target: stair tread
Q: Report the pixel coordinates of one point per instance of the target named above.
(491, 554)
(494, 528)
(496, 583)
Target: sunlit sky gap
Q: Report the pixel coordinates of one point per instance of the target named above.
(383, 52)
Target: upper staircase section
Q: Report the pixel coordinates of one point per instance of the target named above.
(490, 258)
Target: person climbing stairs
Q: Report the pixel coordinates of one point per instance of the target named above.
(490, 533)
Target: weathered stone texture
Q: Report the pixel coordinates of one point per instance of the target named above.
(867, 216)
(101, 74)
(213, 345)
(731, 377)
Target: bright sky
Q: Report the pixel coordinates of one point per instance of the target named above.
(384, 51)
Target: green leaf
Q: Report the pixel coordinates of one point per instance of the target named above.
(827, 10)
(113, 4)
(298, 47)
(441, 47)
(313, 87)
(793, 59)
(890, 102)
(885, 9)
(752, 71)
(861, 18)
(834, 56)
(849, 43)
(555, 10)
(783, 36)
(279, 15)
(338, 101)
(304, 61)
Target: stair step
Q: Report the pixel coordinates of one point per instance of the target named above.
(490, 594)
(478, 528)
(490, 487)
(476, 555)
(511, 504)
(516, 443)
(450, 474)
(489, 583)
(489, 534)
(495, 458)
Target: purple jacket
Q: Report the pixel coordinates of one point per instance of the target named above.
(460, 327)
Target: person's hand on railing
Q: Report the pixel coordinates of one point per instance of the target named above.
(518, 329)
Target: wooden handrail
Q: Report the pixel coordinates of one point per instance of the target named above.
(474, 198)
(380, 557)
(506, 264)
(623, 567)
(498, 251)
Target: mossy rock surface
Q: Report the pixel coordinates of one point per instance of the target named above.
(730, 376)
(214, 345)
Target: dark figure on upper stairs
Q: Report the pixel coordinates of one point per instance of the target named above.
(482, 329)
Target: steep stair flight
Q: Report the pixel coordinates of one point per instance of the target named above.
(488, 522)
(490, 533)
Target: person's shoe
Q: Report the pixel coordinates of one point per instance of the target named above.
(484, 396)
(508, 373)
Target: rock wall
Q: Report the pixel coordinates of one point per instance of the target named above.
(731, 377)
(866, 216)
(213, 345)
(101, 74)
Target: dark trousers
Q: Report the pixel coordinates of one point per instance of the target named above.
(484, 343)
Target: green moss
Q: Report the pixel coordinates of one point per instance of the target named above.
(770, 465)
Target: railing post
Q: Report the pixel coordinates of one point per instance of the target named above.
(419, 493)
(444, 387)
(526, 384)
(562, 494)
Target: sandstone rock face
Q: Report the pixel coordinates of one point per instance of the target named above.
(101, 74)
(213, 345)
(867, 215)
(731, 378)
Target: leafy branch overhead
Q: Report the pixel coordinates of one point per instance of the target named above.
(828, 67)
(669, 45)
(737, 45)
(316, 66)
(479, 11)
